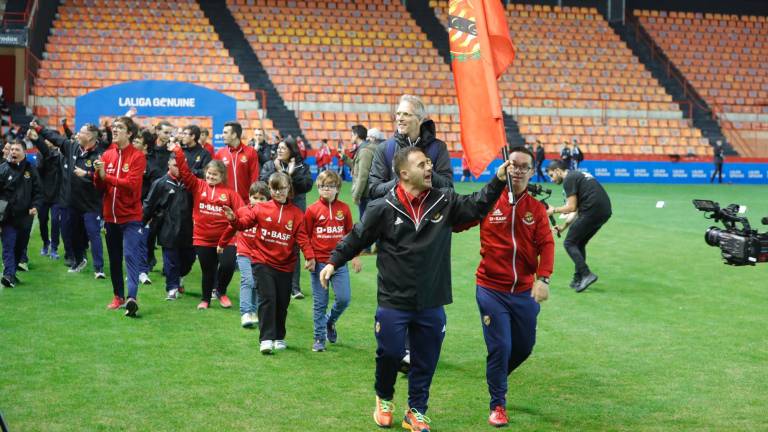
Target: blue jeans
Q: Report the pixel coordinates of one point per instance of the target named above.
(425, 329)
(249, 296)
(177, 263)
(509, 329)
(341, 290)
(125, 240)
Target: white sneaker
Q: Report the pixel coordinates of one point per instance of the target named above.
(144, 279)
(78, 268)
(246, 320)
(280, 345)
(266, 347)
(99, 275)
(172, 295)
(255, 317)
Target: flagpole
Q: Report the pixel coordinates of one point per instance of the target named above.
(511, 193)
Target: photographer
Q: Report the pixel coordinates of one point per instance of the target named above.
(585, 194)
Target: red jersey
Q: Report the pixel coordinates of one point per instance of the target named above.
(324, 157)
(245, 240)
(326, 224)
(279, 227)
(209, 147)
(122, 184)
(242, 168)
(208, 202)
(516, 245)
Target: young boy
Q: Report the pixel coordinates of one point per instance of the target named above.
(328, 220)
(249, 296)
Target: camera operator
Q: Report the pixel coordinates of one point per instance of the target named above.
(585, 194)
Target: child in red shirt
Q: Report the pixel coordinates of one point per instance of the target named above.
(210, 197)
(280, 226)
(328, 220)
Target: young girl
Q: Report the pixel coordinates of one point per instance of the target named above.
(288, 160)
(209, 197)
(328, 220)
(280, 226)
(246, 242)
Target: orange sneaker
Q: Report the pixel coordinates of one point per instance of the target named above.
(202, 305)
(498, 417)
(382, 415)
(415, 421)
(116, 303)
(225, 302)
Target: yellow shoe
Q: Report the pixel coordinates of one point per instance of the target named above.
(382, 415)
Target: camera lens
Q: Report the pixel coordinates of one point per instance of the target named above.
(712, 236)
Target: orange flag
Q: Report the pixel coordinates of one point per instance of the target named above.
(481, 49)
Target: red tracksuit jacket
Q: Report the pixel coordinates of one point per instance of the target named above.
(242, 168)
(326, 224)
(208, 202)
(516, 245)
(279, 227)
(122, 184)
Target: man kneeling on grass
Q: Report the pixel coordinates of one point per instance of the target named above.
(413, 225)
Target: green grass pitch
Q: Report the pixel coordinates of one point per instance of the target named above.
(668, 339)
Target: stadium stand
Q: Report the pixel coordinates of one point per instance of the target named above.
(574, 78)
(341, 63)
(87, 50)
(723, 58)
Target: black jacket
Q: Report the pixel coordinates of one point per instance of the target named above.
(381, 178)
(266, 152)
(301, 177)
(20, 186)
(157, 165)
(51, 169)
(77, 192)
(414, 260)
(169, 205)
(197, 158)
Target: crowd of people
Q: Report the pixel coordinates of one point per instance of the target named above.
(244, 207)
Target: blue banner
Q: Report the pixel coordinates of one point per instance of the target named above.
(158, 99)
(611, 171)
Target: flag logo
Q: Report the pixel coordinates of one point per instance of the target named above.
(462, 31)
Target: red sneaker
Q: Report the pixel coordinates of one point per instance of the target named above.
(382, 415)
(225, 302)
(498, 417)
(415, 421)
(202, 305)
(116, 303)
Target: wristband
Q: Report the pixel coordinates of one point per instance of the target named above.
(544, 279)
